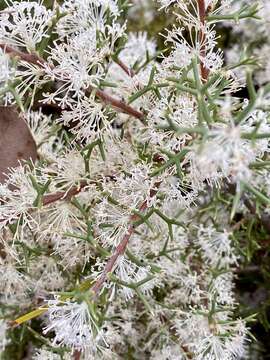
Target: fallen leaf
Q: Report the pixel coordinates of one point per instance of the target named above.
(16, 140)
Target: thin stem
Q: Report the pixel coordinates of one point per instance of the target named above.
(63, 195)
(130, 72)
(121, 248)
(30, 58)
(117, 104)
(202, 37)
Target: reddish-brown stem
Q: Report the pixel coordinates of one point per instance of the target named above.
(77, 355)
(130, 72)
(120, 249)
(63, 195)
(117, 104)
(30, 58)
(202, 15)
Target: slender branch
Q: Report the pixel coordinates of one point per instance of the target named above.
(64, 195)
(120, 249)
(77, 355)
(117, 104)
(30, 58)
(130, 72)
(202, 37)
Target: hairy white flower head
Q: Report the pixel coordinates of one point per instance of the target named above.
(216, 246)
(85, 15)
(24, 24)
(73, 325)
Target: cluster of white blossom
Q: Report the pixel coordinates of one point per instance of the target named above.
(117, 239)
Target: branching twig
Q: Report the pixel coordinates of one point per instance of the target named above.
(30, 58)
(64, 195)
(117, 104)
(202, 14)
(120, 249)
(130, 72)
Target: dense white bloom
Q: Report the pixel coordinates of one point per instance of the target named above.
(67, 176)
(14, 283)
(40, 126)
(133, 71)
(216, 246)
(16, 203)
(71, 63)
(85, 15)
(133, 229)
(166, 117)
(25, 24)
(46, 274)
(87, 120)
(73, 325)
(131, 273)
(137, 48)
(224, 154)
(72, 251)
(211, 58)
(210, 341)
(31, 78)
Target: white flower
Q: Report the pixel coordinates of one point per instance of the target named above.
(73, 325)
(60, 218)
(131, 273)
(40, 125)
(224, 154)
(83, 15)
(17, 203)
(31, 79)
(13, 283)
(46, 274)
(25, 24)
(135, 53)
(170, 351)
(76, 64)
(181, 112)
(181, 56)
(87, 119)
(222, 287)
(72, 251)
(112, 222)
(137, 48)
(66, 176)
(210, 57)
(216, 246)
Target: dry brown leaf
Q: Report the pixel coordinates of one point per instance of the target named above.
(16, 140)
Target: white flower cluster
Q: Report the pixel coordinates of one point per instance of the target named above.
(119, 238)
